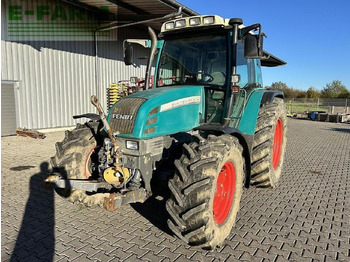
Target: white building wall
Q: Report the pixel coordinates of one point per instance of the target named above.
(56, 75)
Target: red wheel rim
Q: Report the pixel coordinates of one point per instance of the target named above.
(277, 144)
(225, 191)
(87, 163)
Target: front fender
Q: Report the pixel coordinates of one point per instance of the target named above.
(245, 140)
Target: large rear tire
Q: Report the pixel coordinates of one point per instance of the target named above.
(269, 144)
(206, 191)
(75, 159)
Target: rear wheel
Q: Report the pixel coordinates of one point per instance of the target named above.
(76, 158)
(269, 144)
(206, 191)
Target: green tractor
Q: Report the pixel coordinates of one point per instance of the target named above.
(207, 129)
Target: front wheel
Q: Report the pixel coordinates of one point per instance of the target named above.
(77, 158)
(206, 191)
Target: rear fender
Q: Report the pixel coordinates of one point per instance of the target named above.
(256, 99)
(269, 95)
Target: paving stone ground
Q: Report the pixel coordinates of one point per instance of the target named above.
(306, 218)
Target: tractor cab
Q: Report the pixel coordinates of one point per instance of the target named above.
(199, 60)
(221, 55)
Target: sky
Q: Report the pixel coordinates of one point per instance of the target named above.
(312, 36)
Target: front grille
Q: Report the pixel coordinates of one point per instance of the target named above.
(124, 114)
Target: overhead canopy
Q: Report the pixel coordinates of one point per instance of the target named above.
(126, 11)
(270, 60)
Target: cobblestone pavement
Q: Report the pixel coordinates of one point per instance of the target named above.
(307, 217)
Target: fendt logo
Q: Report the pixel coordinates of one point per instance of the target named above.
(122, 117)
(37, 20)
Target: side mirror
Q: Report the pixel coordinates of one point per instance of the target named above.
(128, 53)
(253, 46)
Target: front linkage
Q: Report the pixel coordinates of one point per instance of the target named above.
(88, 167)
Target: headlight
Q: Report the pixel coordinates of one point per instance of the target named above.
(208, 20)
(195, 21)
(180, 23)
(133, 145)
(169, 26)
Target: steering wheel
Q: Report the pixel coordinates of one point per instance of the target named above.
(207, 77)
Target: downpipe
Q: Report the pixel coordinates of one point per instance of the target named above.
(151, 56)
(112, 26)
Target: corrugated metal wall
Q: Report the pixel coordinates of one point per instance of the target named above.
(57, 77)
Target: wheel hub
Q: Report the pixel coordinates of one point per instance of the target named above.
(224, 195)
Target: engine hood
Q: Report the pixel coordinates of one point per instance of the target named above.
(158, 112)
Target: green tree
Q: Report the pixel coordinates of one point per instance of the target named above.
(289, 92)
(279, 85)
(312, 93)
(335, 90)
(344, 94)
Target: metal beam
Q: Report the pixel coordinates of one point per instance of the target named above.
(135, 18)
(175, 4)
(130, 7)
(100, 13)
(86, 6)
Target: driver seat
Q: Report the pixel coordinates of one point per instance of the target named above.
(218, 78)
(218, 69)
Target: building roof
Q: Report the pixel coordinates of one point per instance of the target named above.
(127, 11)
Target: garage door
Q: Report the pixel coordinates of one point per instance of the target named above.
(8, 109)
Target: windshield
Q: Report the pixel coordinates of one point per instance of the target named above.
(199, 60)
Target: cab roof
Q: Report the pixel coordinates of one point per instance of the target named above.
(270, 60)
(180, 25)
